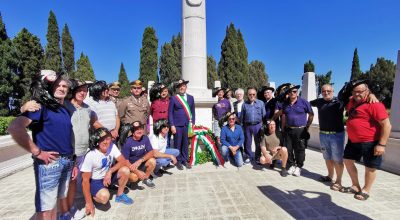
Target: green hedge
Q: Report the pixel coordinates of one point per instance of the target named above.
(4, 122)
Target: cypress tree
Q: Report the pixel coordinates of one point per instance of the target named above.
(211, 72)
(309, 67)
(169, 71)
(30, 56)
(355, 67)
(68, 51)
(148, 56)
(123, 79)
(258, 75)
(243, 67)
(52, 58)
(176, 44)
(8, 65)
(84, 69)
(229, 67)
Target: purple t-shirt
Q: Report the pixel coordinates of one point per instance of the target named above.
(133, 150)
(221, 108)
(296, 114)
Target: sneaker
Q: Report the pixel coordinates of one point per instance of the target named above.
(79, 214)
(134, 186)
(297, 172)
(149, 183)
(123, 198)
(179, 166)
(247, 161)
(291, 170)
(188, 166)
(284, 173)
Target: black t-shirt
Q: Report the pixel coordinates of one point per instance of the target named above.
(270, 108)
(330, 114)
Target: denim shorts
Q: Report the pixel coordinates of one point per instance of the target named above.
(52, 181)
(332, 146)
(354, 151)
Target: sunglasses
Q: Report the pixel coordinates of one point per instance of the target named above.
(231, 119)
(136, 87)
(251, 94)
(293, 91)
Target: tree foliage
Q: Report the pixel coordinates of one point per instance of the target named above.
(176, 44)
(68, 51)
(258, 75)
(29, 53)
(309, 67)
(231, 69)
(148, 56)
(211, 72)
(52, 59)
(355, 67)
(123, 79)
(7, 69)
(84, 70)
(169, 68)
(381, 78)
(322, 79)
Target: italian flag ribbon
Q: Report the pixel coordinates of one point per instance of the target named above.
(203, 133)
(186, 107)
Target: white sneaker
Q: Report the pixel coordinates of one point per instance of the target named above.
(79, 214)
(291, 170)
(247, 161)
(297, 172)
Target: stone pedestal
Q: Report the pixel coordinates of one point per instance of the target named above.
(395, 108)
(309, 91)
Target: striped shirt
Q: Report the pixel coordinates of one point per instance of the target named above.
(106, 113)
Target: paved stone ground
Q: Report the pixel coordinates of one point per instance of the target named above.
(207, 192)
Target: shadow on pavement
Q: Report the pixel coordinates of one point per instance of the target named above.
(303, 204)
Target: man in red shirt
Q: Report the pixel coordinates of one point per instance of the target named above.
(368, 129)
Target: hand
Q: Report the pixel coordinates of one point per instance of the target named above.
(135, 165)
(114, 134)
(372, 98)
(74, 173)
(140, 175)
(173, 158)
(89, 209)
(30, 106)
(48, 156)
(173, 129)
(379, 150)
(107, 179)
(233, 150)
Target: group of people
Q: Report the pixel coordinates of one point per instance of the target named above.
(86, 143)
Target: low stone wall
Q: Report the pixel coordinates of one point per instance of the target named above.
(391, 159)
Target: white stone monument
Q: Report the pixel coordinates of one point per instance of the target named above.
(309, 91)
(194, 58)
(395, 107)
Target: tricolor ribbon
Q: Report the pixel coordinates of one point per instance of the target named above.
(203, 133)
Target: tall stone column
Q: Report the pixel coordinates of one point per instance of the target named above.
(395, 108)
(309, 91)
(194, 47)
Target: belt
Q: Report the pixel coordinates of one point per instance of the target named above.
(327, 132)
(296, 127)
(252, 123)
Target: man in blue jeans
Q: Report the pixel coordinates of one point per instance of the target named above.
(232, 139)
(51, 145)
(159, 141)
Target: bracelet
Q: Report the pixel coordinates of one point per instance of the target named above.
(383, 145)
(36, 155)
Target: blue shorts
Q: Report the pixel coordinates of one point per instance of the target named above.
(332, 146)
(52, 181)
(354, 151)
(97, 185)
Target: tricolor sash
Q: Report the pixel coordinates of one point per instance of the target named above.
(186, 107)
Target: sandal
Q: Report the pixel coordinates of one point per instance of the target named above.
(348, 190)
(361, 196)
(325, 179)
(336, 187)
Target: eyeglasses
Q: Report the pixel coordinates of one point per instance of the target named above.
(358, 92)
(231, 119)
(115, 89)
(326, 91)
(136, 87)
(252, 94)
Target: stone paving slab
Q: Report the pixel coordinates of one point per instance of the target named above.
(207, 192)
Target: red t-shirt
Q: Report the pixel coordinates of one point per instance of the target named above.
(159, 109)
(363, 122)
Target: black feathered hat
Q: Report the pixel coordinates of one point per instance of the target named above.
(42, 88)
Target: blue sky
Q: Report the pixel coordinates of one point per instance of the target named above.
(282, 34)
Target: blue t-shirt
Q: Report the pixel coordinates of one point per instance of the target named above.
(296, 114)
(133, 150)
(52, 129)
